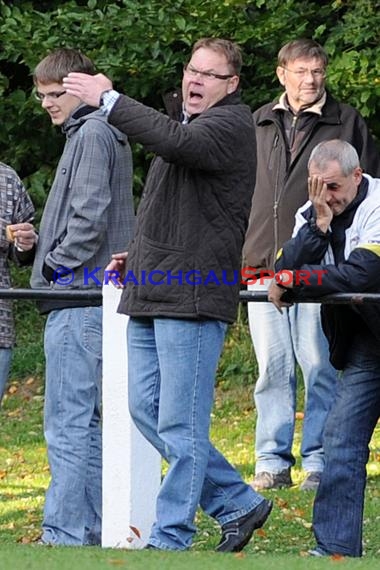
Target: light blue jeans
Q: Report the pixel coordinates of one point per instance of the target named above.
(73, 350)
(339, 503)
(171, 367)
(5, 364)
(279, 342)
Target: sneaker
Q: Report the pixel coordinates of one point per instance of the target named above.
(312, 481)
(267, 480)
(236, 534)
(318, 551)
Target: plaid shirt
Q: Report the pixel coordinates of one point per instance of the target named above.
(15, 207)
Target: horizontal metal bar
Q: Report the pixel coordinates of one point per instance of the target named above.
(245, 296)
(50, 294)
(340, 298)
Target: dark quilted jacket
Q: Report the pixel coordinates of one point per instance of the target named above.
(184, 261)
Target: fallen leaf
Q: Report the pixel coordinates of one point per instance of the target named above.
(281, 503)
(136, 531)
(337, 557)
(27, 539)
(260, 532)
(239, 555)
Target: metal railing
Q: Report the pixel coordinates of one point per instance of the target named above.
(245, 296)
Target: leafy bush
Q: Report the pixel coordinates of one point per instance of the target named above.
(143, 44)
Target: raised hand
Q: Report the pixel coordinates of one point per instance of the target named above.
(318, 196)
(88, 88)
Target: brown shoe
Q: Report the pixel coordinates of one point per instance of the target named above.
(267, 480)
(311, 482)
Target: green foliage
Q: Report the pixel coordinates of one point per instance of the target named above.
(143, 44)
(354, 46)
(237, 366)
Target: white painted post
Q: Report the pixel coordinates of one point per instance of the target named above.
(131, 466)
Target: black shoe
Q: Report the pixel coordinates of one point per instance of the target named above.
(236, 534)
(150, 547)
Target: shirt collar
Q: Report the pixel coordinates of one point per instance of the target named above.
(185, 115)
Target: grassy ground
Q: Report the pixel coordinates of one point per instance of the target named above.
(24, 475)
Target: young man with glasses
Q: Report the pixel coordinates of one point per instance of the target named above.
(192, 218)
(287, 130)
(88, 204)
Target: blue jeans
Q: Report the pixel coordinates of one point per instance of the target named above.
(339, 503)
(279, 342)
(73, 350)
(172, 365)
(5, 364)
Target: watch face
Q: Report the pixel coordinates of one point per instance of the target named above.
(284, 279)
(101, 100)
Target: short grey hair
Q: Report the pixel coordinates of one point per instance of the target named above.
(302, 48)
(335, 150)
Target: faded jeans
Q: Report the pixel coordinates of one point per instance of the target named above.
(172, 365)
(73, 350)
(281, 340)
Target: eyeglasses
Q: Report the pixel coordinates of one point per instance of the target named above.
(53, 95)
(302, 73)
(190, 70)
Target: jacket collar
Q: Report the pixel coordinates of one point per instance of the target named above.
(316, 107)
(360, 196)
(77, 117)
(174, 103)
(330, 112)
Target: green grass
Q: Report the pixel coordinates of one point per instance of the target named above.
(24, 476)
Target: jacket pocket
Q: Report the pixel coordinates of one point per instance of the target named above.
(164, 272)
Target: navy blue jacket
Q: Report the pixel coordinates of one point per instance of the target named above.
(349, 255)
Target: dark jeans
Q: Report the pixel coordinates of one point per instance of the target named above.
(339, 503)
